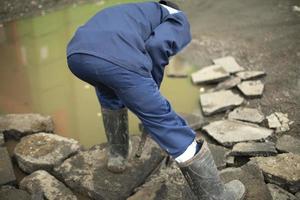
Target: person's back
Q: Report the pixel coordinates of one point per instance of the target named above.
(118, 34)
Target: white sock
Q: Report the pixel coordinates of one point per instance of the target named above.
(188, 154)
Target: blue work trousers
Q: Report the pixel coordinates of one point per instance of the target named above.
(117, 87)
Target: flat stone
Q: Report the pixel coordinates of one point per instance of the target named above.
(11, 193)
(245, 75)
(167, 183)
(219, 101)
(251, 177)
(195, 121)
(228, 83)
(219, 154)
(288, 143)
(279, 121)
(1, 139)
(228, 132)
(18, 125)
(210, 74)
(282, 170)
(230, 161)
(298, 195)
(229, 64)
(7, 175)
(253, 149)
(44, 151)
(86, 172)
(280, 194)
(251, 88)
(247, 114)
(177, 68)
(42, 184)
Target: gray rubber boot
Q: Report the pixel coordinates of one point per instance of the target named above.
(116, 130)
(203, 177)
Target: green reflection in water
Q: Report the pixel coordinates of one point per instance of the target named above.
(35, 78)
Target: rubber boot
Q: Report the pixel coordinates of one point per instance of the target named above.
(202, 176)
(116, 130)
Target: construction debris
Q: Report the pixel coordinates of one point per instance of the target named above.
(254, 149)
(219, 101)
(279, 121)
(251, 88)
(245, 75)
(247, 114)
(228, 83)
(229, 132)
(229, 64)
(210, 74)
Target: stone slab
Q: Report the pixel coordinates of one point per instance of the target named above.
(279, 121)
(280, 194)
(167, 183)
(247, 114)
(228, 132)
(219, 154)
(215, 102)
(42, 184)
(229, 64)
(44, 151)
(86, 172)
(1, 139)
(282, 170)
(251, 88)
(288, 144)
(298, 195)
(195, 121)
(11, 193)
(253, 149)
(7, 175)
(252, 178)
(210, 74)
(228, 83)
(245, 75)
(18, 125)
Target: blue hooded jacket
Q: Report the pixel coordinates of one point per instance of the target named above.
(135, 36)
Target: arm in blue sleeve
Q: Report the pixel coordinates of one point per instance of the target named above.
(167, 40)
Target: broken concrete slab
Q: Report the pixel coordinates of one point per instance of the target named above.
(18, 125)
(282, 170)
(167, 183)
(229, 64)
(7, 175)
(278, 193)
(245, 75)
(247, 114)
(253, 149)
(251, 177)
(219, 154)
(44, 151)
(228, 83)
(194, 121)
(279, 121)
(1, 139)
(42, 184)
(86, 172)
(289, 144)
(210, 74)
(228, 132)
(177, 68)
(215, 102)
(11, 193)
(251, 88)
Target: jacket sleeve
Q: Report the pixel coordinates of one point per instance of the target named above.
(168, 39)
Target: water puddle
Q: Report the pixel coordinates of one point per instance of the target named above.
(35, 78)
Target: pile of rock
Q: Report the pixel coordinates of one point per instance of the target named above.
(60, 168)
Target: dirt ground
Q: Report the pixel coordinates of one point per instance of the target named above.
(261, 35)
